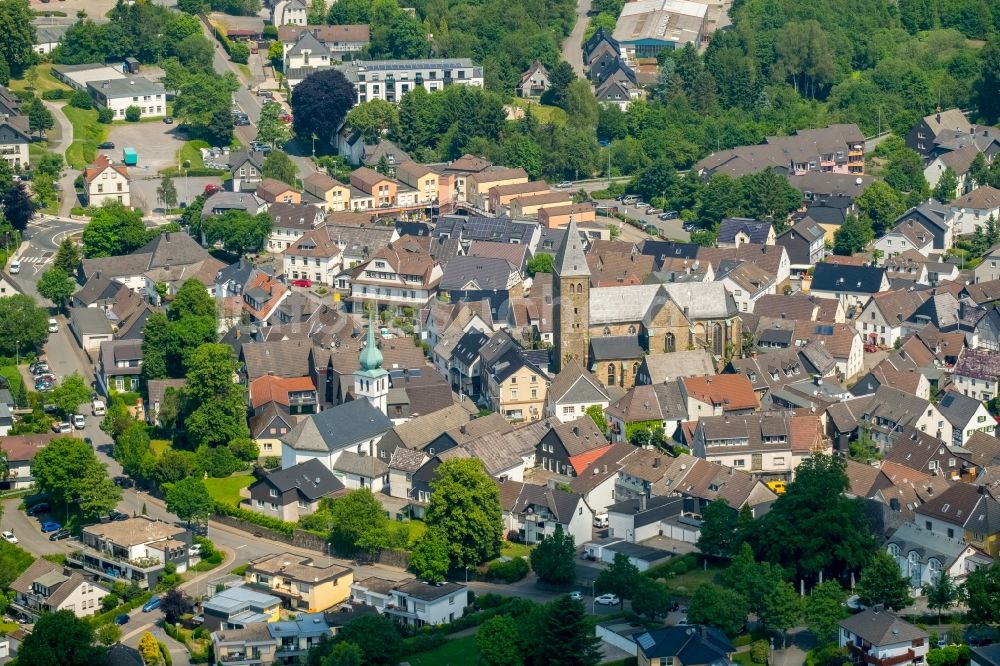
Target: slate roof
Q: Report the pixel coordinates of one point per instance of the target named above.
(575, 385)
(671, 365)
(757, 230)
(579, 436)
(984, 449)
(310, 478)
(692, 644)
(369, 467)
(847, 279)
(338, 427)
(615, 347)
(957, 408)
(571, 261)
(981, 198)
(283, 358)
(967, 506)
(479, 273)
(979, 364)
(882, 628)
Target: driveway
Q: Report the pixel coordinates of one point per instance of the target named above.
(156, 142)
(572, 50)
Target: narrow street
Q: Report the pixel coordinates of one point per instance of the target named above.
(572, 50)
(68, 194)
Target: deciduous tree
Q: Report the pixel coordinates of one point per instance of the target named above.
(718, 529)
(824, 608)
(882, 583)
(320, 103)
(60, 639)
(272, 130)
(498, 642)
(373, 119)
(651, 599)
(67, 256)
(238, 230)
(942, 594)
(377, 637)
(621, 578)
(781, 608)
(114, 230)
(465, 505)
(352, 516)
(56, 285)
(219, 414)
(945, 189)
(23, 325)
(18, 30)
(188, 499)
(166, 193)
(982, 595)
(279, 165)
(71, 392)
(429, 559)
(718, 607)
(853, 236)
(18, 206)
(552, 559)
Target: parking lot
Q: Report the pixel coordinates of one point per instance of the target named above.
(672, 229)
(155, 141)
(144, 190)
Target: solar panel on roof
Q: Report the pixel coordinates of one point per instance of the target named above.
(646, 641)
(824, 330)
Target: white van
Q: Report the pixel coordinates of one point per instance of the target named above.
(53, 326)
(97, 408)
(15, 267)
(600, 520)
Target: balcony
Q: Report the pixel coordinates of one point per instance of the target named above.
(861, 656)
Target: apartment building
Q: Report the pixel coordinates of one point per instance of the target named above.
(833, 149)
(118, 95)
(403, 274)
(411, 601)
(389, 80)
(45, 587)
(136, 549)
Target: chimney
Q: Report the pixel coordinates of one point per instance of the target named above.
(938, 116)
(642, 502)
(576, 430)
(656, 461)
(461, 429)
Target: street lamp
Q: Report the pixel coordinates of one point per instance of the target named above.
(17, 352)
(593, 597)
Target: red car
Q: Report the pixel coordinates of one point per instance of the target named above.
(302, 283)
(212, 189)
(285, 117)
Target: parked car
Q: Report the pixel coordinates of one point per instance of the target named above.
(9, 537)
(212, 189)
(576, 595)
(59, 535)
(256, 146)
(62, 427)
(122, 618)
(79, 422)
(564, 184)
(50, 527)
(43, 387)
(654, 211)
(607, 600)
(285, 117)
(40, 369)
(871, 347)
(242, 120)
(152, 604)
(302, 283)
(168, 120)
(53, 325)
(266, 94)
(641, 204)
(195, 549)
(38, 509)
(118, 516)
(106, 145)
(669, 215)
(123, 482)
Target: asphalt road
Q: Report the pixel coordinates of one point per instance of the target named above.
(572, 50)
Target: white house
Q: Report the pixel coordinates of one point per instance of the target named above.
(290, 223)
(639, 519)
(974, 209)
(313, 256)
(907, 235)
(354, 426)
(392, 79)
(289, 12)
(883, 321)
(967, 416)
(879, 637)
(413, 602)
(118, 95)
(572, 391)
(14, 140)
(45, 587)
(977, 373)
(104, 181)
(534, 512)
(307, 53)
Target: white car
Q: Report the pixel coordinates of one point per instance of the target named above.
(195, 549)
(566, 183)
(607, 600)
(9, 537)
(53, 326)
(576, 596)
(79, 422)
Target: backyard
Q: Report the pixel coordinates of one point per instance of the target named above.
(44, 81)
(227, 490)
(453, 653)
(87, 133)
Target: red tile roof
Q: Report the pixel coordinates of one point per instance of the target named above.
(271, 388)
(98, 166)
(733, 392)
(581, 461)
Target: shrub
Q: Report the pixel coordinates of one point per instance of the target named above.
(109, 602)
(133, 114)
(680, 569)
(105, 116)
(58, 93)
(81, 100)
(740, 641)
(510, 571)
(272, 462)
(270, 31)
(758, 652)
(239, 53)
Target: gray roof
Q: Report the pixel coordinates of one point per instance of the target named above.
(369, 467)
(126, 87)
(571, 261)
(517, 497)
(98, 288)
(311, 478)
(615, 347)
(575, 385)
(957, 408)
(307, 41)
(755, 229)
(686, 363)
(295, 216)
(979, 364)
(222, 201)
(476, 273)
(928, 545)
(702, 300)
(89, 321)
(407, 460)
(426, 591)
(338, 427)
(882, 628)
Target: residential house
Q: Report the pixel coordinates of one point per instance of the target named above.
(478, 185)
(923, 556)
(964, 512)
(289, 12)
(773, 370)
(333, 195)
(250, 645)
(291, 222)
(137, 549)
(392, 79)
(799, 306)
(274, 191)
(14, 139)
(375, 190)
(470, 278)
(736, 231)
(156, 394)
(103, 181)
(967, 415)
(908, 235)
(937, 218)
(805, 244)
(694, 645)
(222, 201)
(514, 384)
(534, 81)
(717, 395)
(501, 196)
(338, 39)
(567, 448)
(959, 161)
(430, 186)
(301, 582)
(119, 95)
(984, 449)
(315, 256)
(758, 443)
(660, 368)
(306, 55)
(534, 512)
(648, 406)
(894, 410)
(90, 327)
(413, 602)
(573, 391)
(923, 135)
(239, 607)
(974, 209)
(120, 365)
(747, 282)
(884, 319)
(45, 587)
(294, 395)
(291, 493)
(852, 285)
(246, 168)
(403, 274)
(879, 638)
(20, 451)
(977, 373)
(639, 519)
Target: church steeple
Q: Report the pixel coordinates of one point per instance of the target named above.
(571, 310)
(371, 381)
(570, 260)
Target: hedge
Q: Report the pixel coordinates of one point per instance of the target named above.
(57, 93)
(109, 616)
(677, 566)
(510, 571)
(175, 172)
(288, 529)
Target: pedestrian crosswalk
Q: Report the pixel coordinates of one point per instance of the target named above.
(39, 261)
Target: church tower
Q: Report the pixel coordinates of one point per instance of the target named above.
(371, 381)
(571, 288)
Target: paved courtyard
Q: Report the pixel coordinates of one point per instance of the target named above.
(144, 190)
(156, 142)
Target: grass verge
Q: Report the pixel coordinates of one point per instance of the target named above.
(458, 651)
(227, 490)
(87, 133)
(545, 114)
(45, 81)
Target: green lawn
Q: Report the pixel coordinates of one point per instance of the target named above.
(545, 114)
(87, 133)
(510, 549)
(158, 446)
(191, 151)
(686, 584)
(45, 81)
(227, 490)
(743, 658)
(457, 652)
